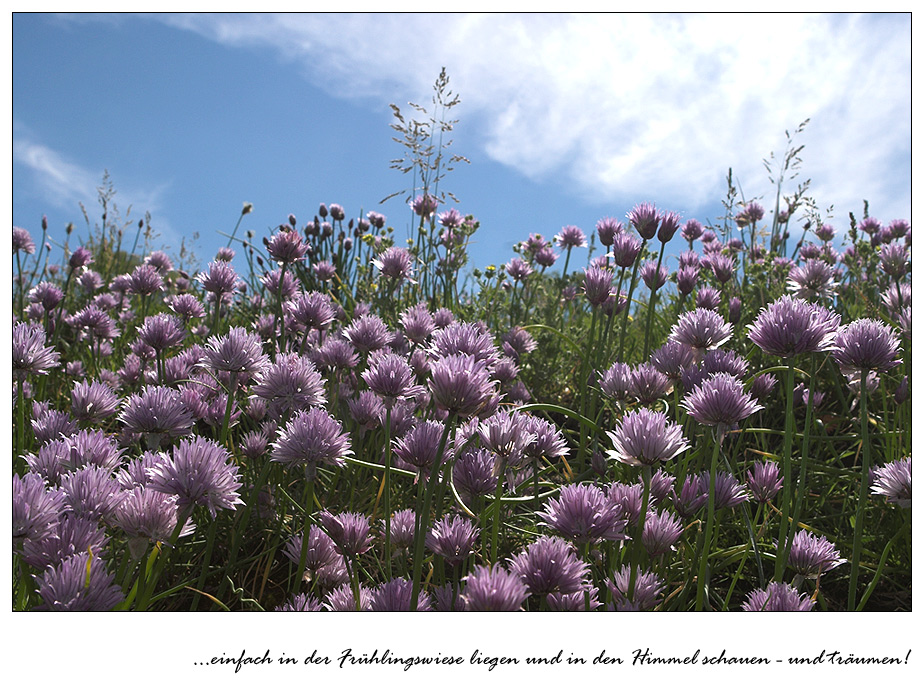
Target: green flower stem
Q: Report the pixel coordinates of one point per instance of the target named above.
(625, 318)
(495, 526)
(882, 560)
(423, 512)
(806, 439)
(308, 499)
(638, 550)
(157, 562)
(861, 501)
(786, 493)
(232, 390)
(652, 299)
(387, 484)
(707, 537)
(206, 560)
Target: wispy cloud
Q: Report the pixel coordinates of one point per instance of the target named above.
(63, 183)
(639, 106)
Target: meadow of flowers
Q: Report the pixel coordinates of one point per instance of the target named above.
(333, 419)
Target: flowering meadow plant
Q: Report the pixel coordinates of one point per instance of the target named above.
(342, 420)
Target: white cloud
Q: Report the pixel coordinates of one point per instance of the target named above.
(64, 183)
(636, 106)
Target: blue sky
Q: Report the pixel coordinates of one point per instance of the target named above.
(566, 119)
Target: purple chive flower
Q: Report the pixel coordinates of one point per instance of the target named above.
(825, 232)
(186, 306)
(547, 439)
(720, 401)
(395, 264)
(419, 449)
(520, 342)
(812, 555)
(199, 472)
(493, 589)
(645, 438)
(893, 480)
(550, 565)
(391, 377)
(349, 531)
(473, 474)
(644, 596)
(146, 280)
(368, 333)
(52, 425)
(693, 495)
(92, 492)
(280, 283)
(324, 270)
(701, 330)
(649, 384)
(506, 435)
(753, 212)
(654, 275)
(661, 531)
(290, 383)
(79, 583)
(161, 331)
(691, 231)
(865, 344)
(341, 599)
(367, 409)
(460, 384)
(219, 279)
(616, 382)
(670, 222)
(402, 528)
(789, 327)
(582, 513)
(418, 323)
(765, 481)
(571, 237)
(311, 438)
(36, 509)
(30, 356)
(628, 497)
(574, 602)
(518, 269)
(813, 280)
(287, 246)
(686, 279)
(644, 217)
(445, 599)
(450, 219)
(300, 602)
(157, 413)
(721, 266)
(80, 258)
(626, 248)
(22, 240)
(323, 563)
(336, 354)
(778, 597)
(453, 538)
(395, 596)
(313, 310)
(238, 351)
(708, 298)
(672, 358)
(146, 515)
(598, 285)
(47, 294)
(424, 205)
(608, 229)
(71, 535)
